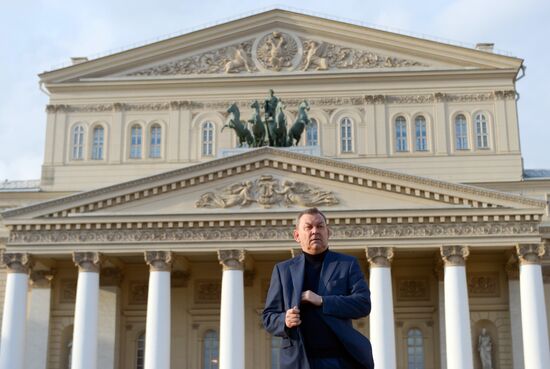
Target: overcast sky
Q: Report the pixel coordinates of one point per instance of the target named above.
(40, 35)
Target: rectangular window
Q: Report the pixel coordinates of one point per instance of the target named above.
(420, 131)
(154, 149)
(401, 135)
(135, 143)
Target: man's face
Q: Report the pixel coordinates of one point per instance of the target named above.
(312, 234)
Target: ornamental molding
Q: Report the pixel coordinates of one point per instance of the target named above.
(530, 254)
(220, 106)
(379, 257)
(159, 261)
(454, 255)
(267, 191)
(111, 277)
(207, 291)
(512, 266)
(209, 233)
(138, 291)
(413, 289)
(232, 259)
(272, 158)
(16, 262)
(88, 262)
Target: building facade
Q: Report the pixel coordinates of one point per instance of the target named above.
(152, 232)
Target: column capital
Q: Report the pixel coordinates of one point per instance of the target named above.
(232, 259)
(530, 253)
(379, 257)
(41, 278)
(454, 255)
(16, 262)
(87, 261)
(159, 261)
(512, 266)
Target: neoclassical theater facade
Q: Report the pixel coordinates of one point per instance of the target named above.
(150, 238)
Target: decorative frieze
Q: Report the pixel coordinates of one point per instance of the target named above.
(412, 289)
(454, 255)
(232, 259)
(530, 253)
(215, 232)
(41, 278)
(159, 261)
(16, 262)
(483, 284)
(410, 99)
(87, 261)
(208, 291)
(379, 256)
(137, 292)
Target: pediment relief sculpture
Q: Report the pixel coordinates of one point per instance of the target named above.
(277, 51)
(267, 191)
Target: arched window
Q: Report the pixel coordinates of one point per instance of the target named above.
(275, 349)
(346, 138)
(482, 132)
(135, 141)
(461, 132)
(140, 351)
(154, 147)
(415, 349)
(421, 143)
(98, 138)
(210, 350)
(77, 152)
(401, 134)
(312, 133)
(207, 139)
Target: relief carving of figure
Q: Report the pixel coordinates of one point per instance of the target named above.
(313, 56)
(299, 193)
(237, 194)
(485, 347)
(240, 59)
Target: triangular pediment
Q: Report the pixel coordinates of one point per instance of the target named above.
(267, 180)
(280, 41)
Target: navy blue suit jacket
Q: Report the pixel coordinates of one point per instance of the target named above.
(346, 296)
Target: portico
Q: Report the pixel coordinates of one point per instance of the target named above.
(186, 274)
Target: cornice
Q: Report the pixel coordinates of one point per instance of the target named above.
(267, 157)
(221, 105)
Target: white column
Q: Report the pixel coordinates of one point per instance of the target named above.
(512, 269)
(84, 355)
(457, 310)
(533, 310)
(382, 326)
(12, 349)
(109, 307)
(232, 310)
(442, 346)
(157, 331)
(38, 320)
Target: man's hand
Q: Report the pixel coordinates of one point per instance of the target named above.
(312, 298)
(292, 318)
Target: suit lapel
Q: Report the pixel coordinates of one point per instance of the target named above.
(329, 266)
(297, 274)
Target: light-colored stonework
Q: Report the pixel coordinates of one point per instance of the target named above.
(209, 213)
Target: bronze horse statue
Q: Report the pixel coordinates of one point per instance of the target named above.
(258, 127)
(297, 128)
(277, 127)
(239, 126)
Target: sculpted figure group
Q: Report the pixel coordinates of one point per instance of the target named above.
(273, 129)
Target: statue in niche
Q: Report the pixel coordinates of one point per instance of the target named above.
(240, 59)
(485, 348)
(313, 56)
(297, 128)
(239, 126)
(237, 194)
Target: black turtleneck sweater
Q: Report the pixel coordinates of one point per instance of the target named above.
(319, 340)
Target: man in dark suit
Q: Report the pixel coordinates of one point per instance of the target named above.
(312, 299)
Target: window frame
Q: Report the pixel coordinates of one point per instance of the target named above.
(94, 144)
(203, 363)
(483, 135)
(140, 338)
(155, 147)
(131, 143)
(465, 135)
(418, 361)
(346, 142)
(209, 128)
(398, 139)
(424, 139)
(81, 142)
(308, 130)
